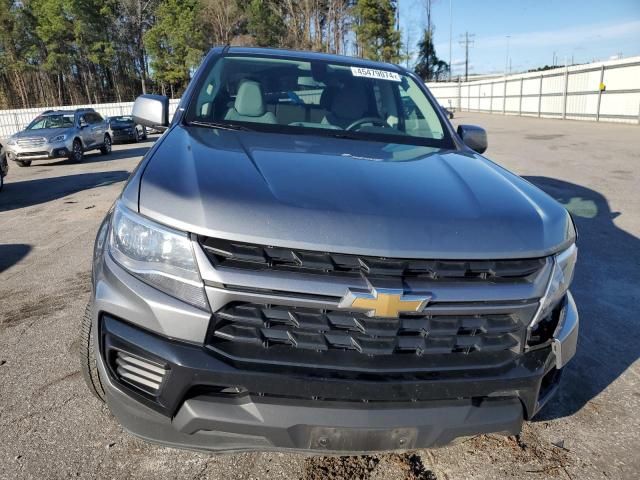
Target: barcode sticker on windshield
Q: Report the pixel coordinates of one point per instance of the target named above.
(372, 73)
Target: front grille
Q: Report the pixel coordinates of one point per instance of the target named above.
(226, 253)
(481, 334)
(31, 142)
(279, 307)
(122, 133)
(32, 154)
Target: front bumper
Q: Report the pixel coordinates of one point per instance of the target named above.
(123, 135)
(44, 152)
(206, 423)
(297, 410)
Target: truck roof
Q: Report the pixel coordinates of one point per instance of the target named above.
(306, 55)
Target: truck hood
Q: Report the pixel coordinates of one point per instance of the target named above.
(347, 196)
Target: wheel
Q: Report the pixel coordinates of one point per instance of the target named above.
(77, 153)
(136, 136)
(23, 163)
(88, 361)
(106, 145)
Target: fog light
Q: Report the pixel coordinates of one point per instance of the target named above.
(139, 373)
(234, 390)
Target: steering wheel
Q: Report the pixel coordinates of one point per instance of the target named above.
(372, 120)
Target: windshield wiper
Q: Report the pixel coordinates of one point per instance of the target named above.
(219, 125)
(341, 134)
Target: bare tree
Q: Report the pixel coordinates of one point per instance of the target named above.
(221, 19)
(316, 24)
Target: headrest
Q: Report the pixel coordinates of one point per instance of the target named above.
(249, 101)
(327, 96)
(349, 102)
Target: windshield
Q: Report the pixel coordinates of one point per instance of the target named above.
(121, 119)
(284, 95)
(52, 121)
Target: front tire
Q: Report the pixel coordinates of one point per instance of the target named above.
(88, 360)
(105, 149)
(77, 153)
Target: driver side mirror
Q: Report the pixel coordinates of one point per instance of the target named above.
(83, 123)
(473, 137)
(151, 111)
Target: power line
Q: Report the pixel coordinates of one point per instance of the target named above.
(466, 41)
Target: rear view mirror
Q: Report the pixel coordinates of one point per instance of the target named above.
(473, 137)
(151, 111)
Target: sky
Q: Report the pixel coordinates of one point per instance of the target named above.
(584, 30)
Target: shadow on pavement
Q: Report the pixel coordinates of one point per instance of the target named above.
(12, 253)
(607, 291)
(95, 156)
(41, 190)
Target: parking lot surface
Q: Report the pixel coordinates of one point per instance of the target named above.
(50, 426)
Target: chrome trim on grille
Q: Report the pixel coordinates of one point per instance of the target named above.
(31, 142)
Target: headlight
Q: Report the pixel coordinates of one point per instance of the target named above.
(157, 255)
(563, 266)
(58, 138)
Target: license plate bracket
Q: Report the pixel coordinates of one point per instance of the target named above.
(362, 439)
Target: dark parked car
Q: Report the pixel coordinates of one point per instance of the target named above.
(4, 166)
(312, 258)
(123, 129)
(447, 111)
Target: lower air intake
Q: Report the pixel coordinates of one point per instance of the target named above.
(139, 373)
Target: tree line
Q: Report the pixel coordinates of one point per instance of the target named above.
(64, 52)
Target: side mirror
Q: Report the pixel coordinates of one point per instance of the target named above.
(473, 137)
(151, 111)
(83, 124)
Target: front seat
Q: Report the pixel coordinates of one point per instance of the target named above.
(347, 105)
(249, 105)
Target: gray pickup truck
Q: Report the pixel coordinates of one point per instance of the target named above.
(311, 258)
(59, 134)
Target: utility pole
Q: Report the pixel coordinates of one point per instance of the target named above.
(450, 35)
(407, 47)
(466, 42)
(506, 59)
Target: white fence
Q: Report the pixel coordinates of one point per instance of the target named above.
(12, 121)
(565, 92)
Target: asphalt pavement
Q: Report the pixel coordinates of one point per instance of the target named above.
(50, 426)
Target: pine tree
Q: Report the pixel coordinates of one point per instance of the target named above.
(175, 44)
(266, 24)
(429, 66)
(375, 29)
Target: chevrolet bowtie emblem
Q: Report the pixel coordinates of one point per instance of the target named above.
(383, 302)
